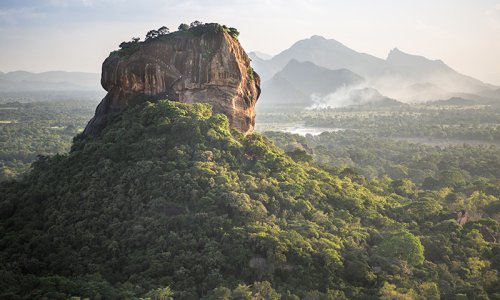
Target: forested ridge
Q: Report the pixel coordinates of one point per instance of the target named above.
(170, 202)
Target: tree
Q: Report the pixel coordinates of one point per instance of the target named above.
(452, 177)
(233, 32)
(403, 187)
(125, 45)
(163, 30)
(403, 245)
(160, 294)
(183, 27)
(264, 290)
(429, 290)
(390, 291)
(300, 155)
(242, 292)
(151, 34)
(196, 24)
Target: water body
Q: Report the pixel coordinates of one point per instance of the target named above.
(303, 131)
(295, 128)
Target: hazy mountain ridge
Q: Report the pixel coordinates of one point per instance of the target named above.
(401, 76)
(49, 81)
(259, 55)
(299, 82)
(315, 79)
(330, 54)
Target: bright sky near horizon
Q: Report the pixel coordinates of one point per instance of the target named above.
(77, 35)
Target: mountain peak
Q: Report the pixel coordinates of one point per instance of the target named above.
(317, 37)
(295, 62)
(323, 40)
(396, 53)
(259, 55)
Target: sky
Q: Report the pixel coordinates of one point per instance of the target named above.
(77, 35)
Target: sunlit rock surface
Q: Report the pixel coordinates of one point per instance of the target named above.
(203, 65)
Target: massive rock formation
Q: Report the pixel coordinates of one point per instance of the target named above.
(204, 64)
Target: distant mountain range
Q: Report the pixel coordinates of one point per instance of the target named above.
(23, 81)
(322, 52)
(314, 72)
(401, 76)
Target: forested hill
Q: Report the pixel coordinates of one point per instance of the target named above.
(169, 201)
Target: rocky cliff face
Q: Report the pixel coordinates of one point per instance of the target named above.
(202, 65)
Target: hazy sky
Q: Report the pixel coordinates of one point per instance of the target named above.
(77, 35)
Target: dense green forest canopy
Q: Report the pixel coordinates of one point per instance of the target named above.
(170, 201)
(29, 129)
(419, 123)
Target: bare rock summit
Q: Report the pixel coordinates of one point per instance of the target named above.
(205, 64)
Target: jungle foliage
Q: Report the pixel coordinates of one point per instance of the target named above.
(170, 202)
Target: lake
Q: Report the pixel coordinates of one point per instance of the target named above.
(294, 128)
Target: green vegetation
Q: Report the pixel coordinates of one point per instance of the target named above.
(28, 130)
(169, 202)
(404, 246)
(196, 28)
(250, 73)
(233, 32)
(183, 27)
(478, 123)
(457, 166)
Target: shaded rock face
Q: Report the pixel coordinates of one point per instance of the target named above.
(210, 67)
